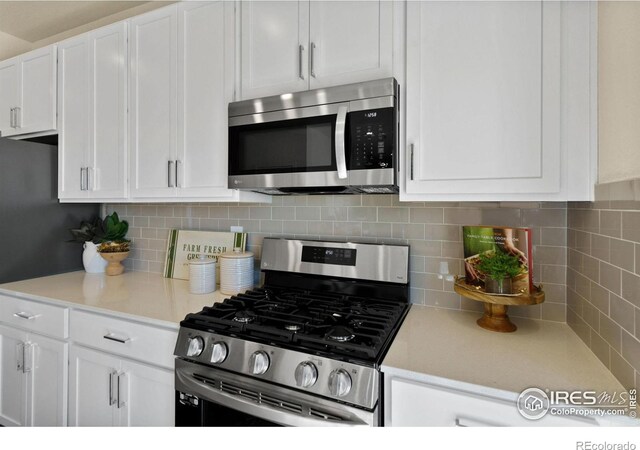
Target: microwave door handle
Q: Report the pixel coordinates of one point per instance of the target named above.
(341, 160)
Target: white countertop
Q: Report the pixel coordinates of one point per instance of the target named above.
(447, 347)
(433, 345)
(137, 295)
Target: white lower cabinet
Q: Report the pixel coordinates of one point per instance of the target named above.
(121, 372)
(410, 403)
(33, 379)
(107, 390)
(91, 369)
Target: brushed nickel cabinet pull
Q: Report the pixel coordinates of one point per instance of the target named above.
(24, 315)
(300, 51)
(111, 337)
(169, 171)
(411, 172)
(311, 64)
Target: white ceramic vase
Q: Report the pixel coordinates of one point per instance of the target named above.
(93, 262)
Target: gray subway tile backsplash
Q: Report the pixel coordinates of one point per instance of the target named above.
(607, 318)
(432, 229)
(586, 255)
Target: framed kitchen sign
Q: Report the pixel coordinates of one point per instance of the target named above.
(186, 245)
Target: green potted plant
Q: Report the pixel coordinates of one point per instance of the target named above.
(499, 269)
(88, 234)
(114, 247)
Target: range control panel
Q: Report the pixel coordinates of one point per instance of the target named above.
(372, 134)
(329, 255)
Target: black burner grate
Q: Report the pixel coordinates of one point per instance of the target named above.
(329, 323)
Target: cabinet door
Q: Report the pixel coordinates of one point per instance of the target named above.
(8, 95)
(13, 387)
(153, 103)
(38, 91)
(146, 396)
(92, 387)
(274, 47)
(483, 101)
(73, 112)
(47, 382)
(350, 41)
(205, 80)
(108, 87)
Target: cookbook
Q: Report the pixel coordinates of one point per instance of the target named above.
(186, 245)
(478, 240)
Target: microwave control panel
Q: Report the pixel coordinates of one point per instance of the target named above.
(372, 134)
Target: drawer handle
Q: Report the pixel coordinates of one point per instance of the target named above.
(111, 337)
(24, 315)
(466, 422)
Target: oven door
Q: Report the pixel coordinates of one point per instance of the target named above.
(206, 396)
(301, 148)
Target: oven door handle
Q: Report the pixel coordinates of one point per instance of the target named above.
(186, 382)
(341, 159)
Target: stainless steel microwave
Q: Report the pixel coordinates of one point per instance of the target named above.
(341, 139)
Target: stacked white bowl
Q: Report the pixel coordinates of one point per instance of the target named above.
(202, 276)
(236, 272)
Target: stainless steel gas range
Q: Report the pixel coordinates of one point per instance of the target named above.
(303, 350)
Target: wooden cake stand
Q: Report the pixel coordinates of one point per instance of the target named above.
(495, 306)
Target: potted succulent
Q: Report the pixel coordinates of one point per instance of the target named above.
(499, 269)
(88, 235)
(114, 248)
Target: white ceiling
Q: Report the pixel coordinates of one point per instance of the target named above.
(36, 20)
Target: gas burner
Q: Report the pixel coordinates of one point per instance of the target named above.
(293, 327)
(244, 317)
(340, 334)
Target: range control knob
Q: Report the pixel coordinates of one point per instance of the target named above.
(219, 352)
(306, 374)
(196, 345)
(259, 362)
(339, 383)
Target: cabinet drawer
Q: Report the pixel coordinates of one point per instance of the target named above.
(130, 339)
(416, 404)
(34, 316)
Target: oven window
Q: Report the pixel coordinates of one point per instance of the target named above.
(220, 416)
(210, 414)
(300, 145)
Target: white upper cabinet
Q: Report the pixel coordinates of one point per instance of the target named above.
(73, 112)
(295, 46)
(92, 111)
(274, 47)
(153, 103)
(205, 87)
(38, 91)
(484, 101)
(108, 87)
(28, 93)
(8, 96)
(181, 81)
(349, 42)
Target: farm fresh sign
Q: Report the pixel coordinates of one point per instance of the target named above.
(186, 245)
